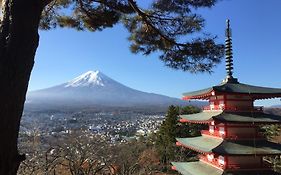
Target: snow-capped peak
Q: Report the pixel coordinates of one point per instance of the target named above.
(90, 78)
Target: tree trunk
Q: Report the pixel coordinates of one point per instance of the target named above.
(18, 43)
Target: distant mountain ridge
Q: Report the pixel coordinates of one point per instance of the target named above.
(275, 106)
(94, 88)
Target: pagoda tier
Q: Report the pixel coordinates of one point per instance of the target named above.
(231, 117)
(211, 145)
(221, 155)
(233, 143)
(199, 168)
(234, 88)
(202, 168)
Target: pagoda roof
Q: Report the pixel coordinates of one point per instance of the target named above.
(207, 144)
(201, 144)
(196, 168)
(202, 117)
(227, 116)
(201, 168)
(257, 92)
(256, 117)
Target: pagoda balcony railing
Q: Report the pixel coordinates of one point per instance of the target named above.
(214, 134)
(233, 108)
(258, 108)
(214, 161)
(233, 166)
(263, 166)
(245, 136)
(232, 136)
(214, 108)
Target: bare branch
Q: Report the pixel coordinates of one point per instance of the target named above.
(46, 2)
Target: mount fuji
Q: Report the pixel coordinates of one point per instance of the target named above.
(95, 89)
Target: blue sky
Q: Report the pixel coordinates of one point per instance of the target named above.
(65, 53)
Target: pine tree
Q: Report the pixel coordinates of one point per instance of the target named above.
(160, 28)
(166, 136)
(170, 129)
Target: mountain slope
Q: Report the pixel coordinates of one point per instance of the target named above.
(93, 88)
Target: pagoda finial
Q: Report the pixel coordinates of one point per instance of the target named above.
(228, 50)
(228, 54)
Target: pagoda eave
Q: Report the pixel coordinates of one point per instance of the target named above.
(196, 121)
(192, 148)
(227, 88)
(203, 97)
(253, 118)
(196, 143)
(232, 117)
(199, 118)
(206, 144)
(246, 155)
(255, 96)
(265, 96)
(195, 168)
(252, 123)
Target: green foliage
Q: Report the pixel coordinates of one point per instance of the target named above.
(84, 14)
(168, 130)
(172, 128)
(270, 131)
(189, 110)
(188, 129)
(166, 27)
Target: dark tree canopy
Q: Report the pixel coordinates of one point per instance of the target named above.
(166, 27)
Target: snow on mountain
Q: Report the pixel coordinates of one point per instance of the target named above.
(94, 88)
(90, 78)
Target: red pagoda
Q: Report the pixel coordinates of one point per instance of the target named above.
(233, 144)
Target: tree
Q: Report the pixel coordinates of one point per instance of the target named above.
(77, 153)
(149, 161)
(159, 28)
(125, 157)
(172, 128)
(83, 154)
